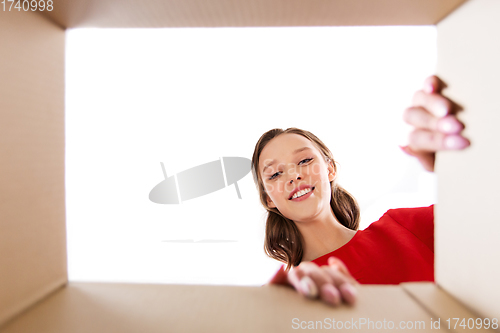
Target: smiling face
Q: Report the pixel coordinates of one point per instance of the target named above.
(296, 177)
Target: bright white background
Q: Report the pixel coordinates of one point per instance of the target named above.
(184, 97)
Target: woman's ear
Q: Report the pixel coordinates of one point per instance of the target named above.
(270, 203)
(331, 171)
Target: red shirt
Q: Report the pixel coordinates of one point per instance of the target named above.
(399, 247)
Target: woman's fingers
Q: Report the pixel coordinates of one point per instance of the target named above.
(421, 118)
(424, 143)
(330, 294)
(335, 262)
(307, 278)
(435, 125)
(343, 283)
(432, 134)
(308, 287)
(427, 159)
(329, 282)
(433, 84)
(435, 103)
(432, 141)
(349, 293)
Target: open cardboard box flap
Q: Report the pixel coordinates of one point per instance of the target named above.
(115, 307)
(32, 200)
(241, 13)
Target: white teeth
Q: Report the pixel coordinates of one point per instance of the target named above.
(301, 193)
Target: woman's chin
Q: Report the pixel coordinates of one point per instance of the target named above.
(306, 217)
(308, 214)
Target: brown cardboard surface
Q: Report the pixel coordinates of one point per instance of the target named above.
(101, 307)
(32, 213)
(442, 305)
(242, 13)
(467, 231)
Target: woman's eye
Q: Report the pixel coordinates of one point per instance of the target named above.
(305, 161)
(274, 176)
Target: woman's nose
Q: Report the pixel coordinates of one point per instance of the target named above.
(294, 178)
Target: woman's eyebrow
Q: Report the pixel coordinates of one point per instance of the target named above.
(268, 165)
(294, 152)
(300, 149)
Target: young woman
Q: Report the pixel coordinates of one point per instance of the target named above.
(312, 222)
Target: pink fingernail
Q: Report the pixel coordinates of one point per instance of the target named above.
(308, 287)
(333, 296)
(449, 125)
(350, 291)
(441, 110)
(455, 142)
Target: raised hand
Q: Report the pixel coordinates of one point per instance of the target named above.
(331, 283)
(436, 125)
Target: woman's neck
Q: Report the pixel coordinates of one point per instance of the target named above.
(323, 235)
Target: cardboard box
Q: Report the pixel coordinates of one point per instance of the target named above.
(35, 295)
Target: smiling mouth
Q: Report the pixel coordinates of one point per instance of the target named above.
(301, 193)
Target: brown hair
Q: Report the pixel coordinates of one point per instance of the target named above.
(283, 240)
